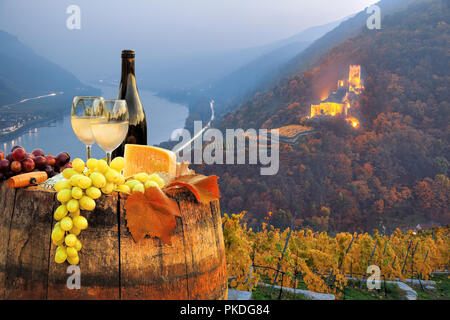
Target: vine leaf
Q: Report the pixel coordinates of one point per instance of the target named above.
(205, 189)
(151, 213)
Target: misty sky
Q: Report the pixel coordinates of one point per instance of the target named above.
(162, 29)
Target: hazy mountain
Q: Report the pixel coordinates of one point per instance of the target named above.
(345, 30)
(246, 78)
(24, 74)
(232, 88)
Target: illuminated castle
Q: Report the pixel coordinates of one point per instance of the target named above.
(338, 102)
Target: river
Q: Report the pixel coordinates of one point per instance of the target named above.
(163, 117)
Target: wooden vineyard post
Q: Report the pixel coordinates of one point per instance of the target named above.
(368, 264)
(406, 257)
(282, 255)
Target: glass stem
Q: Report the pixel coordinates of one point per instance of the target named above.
(88, 151)
(108, 157)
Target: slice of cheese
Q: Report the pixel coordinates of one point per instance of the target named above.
(148, 159)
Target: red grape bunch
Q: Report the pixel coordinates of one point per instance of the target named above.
(19, 161)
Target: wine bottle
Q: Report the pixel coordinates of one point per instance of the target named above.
(137, 129)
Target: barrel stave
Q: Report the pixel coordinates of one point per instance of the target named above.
(27, 259)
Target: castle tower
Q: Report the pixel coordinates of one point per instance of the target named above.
(354, 79)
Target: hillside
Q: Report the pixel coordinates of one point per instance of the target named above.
(392, 171)
(24, 74)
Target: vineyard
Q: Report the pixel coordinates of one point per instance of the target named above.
(325, 263)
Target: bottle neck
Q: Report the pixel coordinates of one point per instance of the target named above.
(128, 78)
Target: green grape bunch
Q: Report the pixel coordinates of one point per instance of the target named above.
(82, 185)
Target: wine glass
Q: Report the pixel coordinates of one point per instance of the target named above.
(109, 124)
(80, 117)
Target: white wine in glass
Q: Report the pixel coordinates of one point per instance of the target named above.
(109, 124)
(81, 114)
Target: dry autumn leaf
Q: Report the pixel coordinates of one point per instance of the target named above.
(205, 189)
(152, 213)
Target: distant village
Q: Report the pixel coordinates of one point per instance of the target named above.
(11, 122)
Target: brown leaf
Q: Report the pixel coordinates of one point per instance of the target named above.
(205, 189)
(183, 169)
(152, 213)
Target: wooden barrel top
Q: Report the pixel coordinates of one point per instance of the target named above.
(112, 264)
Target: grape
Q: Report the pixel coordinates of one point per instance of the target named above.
(66, 166)
(4, 165)
(72, 252)
(120, 180)
(73, 205)
(123, 188)
(132, 183)
(28, 165)
(70, 240)
(78, 245)
(49, 171)
(151, 184)
(61, 185)
(19, 154)
(62, 158)
(76, 231)
(75, 214)
(93, 192)
(58, 242)
(84, 182)
(142, 177)
(86, 203)
(156, 178)
(98, 180)
(108, 188)
(60, 256)
(74, 179)
(68, 173)
(139, 188)
(77, 193)
(92, 164)
(80, 222)
(57, 234)
(66, 223)
(61, 248)
(64, 195)
(16, 166)
(40, 162)
(38, 152)
(117, 164)
(102, 166)
(51, 161)
(60, 212)
(73, 260)
(78, 165)
(112, 175)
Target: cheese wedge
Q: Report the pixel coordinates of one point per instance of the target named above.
(148, 159)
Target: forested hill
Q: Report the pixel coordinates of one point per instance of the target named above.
(24, 74)
(392, 171)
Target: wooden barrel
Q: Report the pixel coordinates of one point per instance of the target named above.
(112, 265)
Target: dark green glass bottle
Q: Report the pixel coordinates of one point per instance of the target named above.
(137, 130)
